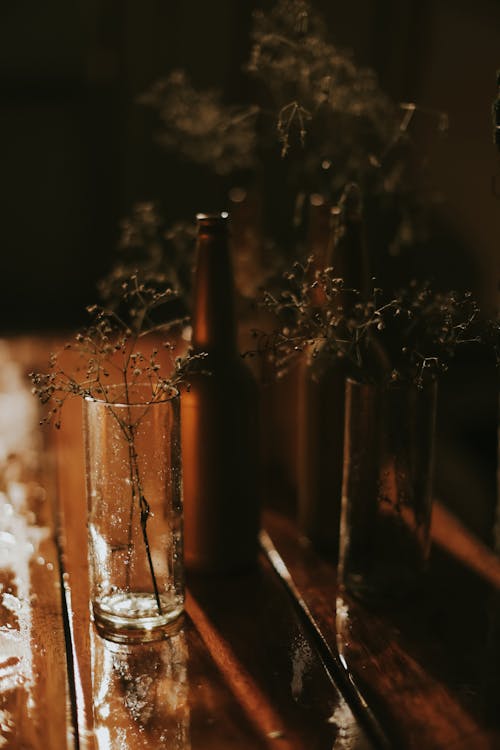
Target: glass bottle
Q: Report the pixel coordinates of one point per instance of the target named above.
(387, 489)
(321, 404)
(219, 421)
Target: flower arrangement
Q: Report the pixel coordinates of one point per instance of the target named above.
(118, 351)
(156, 254)
(198, 125)
(410, 336)
(108, 354)
(314, 105)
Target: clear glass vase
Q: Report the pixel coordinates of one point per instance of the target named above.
(386, 493)
(134, 491)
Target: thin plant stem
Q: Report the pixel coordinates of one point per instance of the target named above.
(136, 488)
(144, 520)
(145, 511)
(129, 438)
(130, 545)
(136, 493)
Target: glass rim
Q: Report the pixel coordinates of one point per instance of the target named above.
(166, 396)
(215, 217)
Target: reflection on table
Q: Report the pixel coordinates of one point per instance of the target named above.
(140, 693)
(275, 659)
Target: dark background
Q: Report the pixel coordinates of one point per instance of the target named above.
(77, 151)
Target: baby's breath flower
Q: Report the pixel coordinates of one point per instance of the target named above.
(107, 352)
(409, 337)
(199, 126)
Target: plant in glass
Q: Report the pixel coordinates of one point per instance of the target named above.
(393, 349)
(128, 382)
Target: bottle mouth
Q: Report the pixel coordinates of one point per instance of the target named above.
(212, 221)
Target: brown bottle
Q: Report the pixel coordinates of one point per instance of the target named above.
(321, 401)
(349, 253)
(219, 421)
(318, 241)
(318, 230)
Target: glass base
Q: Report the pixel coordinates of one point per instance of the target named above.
(134, 617)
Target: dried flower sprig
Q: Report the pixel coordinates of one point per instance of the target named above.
(198, 125)
(161, 255)
(107, 353)
(315, 104)
(298, 65)
(337, 125)
(407, 337)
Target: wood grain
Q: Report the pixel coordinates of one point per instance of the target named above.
(164, 694)
(33, 673)
(244, 670)
(421, 664)
(269, 659)
(245, 673)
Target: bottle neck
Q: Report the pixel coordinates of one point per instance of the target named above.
(350, 257)
(318, 239)
(214, 329)
(318, 234)
(349, 254)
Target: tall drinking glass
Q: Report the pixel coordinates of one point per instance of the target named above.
(134, 491)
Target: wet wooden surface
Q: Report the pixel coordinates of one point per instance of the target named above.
(274, 659)
(33, 678)
(242, 670)
(429, 667)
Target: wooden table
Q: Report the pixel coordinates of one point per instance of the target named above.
(274, 659)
